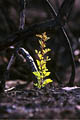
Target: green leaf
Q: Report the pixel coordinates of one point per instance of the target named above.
(36, 51)
(40, 56)
(40, 42)
(36, 73)
(43, 66)
(37, 85)
(43, 62)
(47, 58)
(47, 74)
(46, 50)
(38, 62)
(46, 82)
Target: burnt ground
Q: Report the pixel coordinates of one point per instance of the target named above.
(51, 102)
(48, 103)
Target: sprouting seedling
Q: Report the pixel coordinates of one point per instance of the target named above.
(42, 74)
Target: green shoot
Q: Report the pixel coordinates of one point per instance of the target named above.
(42, 73)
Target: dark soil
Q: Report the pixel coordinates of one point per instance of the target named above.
(48, 103)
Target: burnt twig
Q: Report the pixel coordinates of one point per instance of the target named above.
(21, 35)
(61, 17)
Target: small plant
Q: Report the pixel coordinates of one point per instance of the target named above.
(42, 74)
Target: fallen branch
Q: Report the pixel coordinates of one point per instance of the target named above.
(21, 35)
